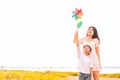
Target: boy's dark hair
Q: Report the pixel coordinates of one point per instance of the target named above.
(88, 46)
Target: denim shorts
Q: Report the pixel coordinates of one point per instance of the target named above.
(84, 76)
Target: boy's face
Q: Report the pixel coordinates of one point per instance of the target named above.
(86, 50)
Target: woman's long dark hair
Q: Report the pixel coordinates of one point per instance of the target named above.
(95, 35)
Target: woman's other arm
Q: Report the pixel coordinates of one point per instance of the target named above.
(98, 51)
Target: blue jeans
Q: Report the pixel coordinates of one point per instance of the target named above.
(84, 76)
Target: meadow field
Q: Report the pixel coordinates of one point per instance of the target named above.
(43, 75)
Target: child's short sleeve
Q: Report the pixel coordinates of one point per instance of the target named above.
(91, 64)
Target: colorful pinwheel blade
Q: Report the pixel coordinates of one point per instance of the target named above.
(73, 15)
(79, 11)
(76, 17)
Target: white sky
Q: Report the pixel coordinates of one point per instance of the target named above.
(40, 32)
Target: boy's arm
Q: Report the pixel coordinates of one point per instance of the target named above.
(91, 73)
(91, 70)
(75, 40)
(78, 52)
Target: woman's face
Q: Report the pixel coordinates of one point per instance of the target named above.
(90, 32)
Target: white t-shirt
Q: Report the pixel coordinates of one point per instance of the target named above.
(85, 63)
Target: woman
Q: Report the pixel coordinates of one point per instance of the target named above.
(93, 40)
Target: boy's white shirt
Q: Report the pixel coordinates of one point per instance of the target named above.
(84, 62)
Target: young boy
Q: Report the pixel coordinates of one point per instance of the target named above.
(85, 64)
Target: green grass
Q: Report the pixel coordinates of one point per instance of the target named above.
(47, 75)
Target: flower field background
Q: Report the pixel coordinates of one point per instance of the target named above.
(44, 75)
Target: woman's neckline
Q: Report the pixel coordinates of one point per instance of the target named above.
(88, 39)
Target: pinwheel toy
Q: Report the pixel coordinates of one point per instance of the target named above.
(77, 14)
